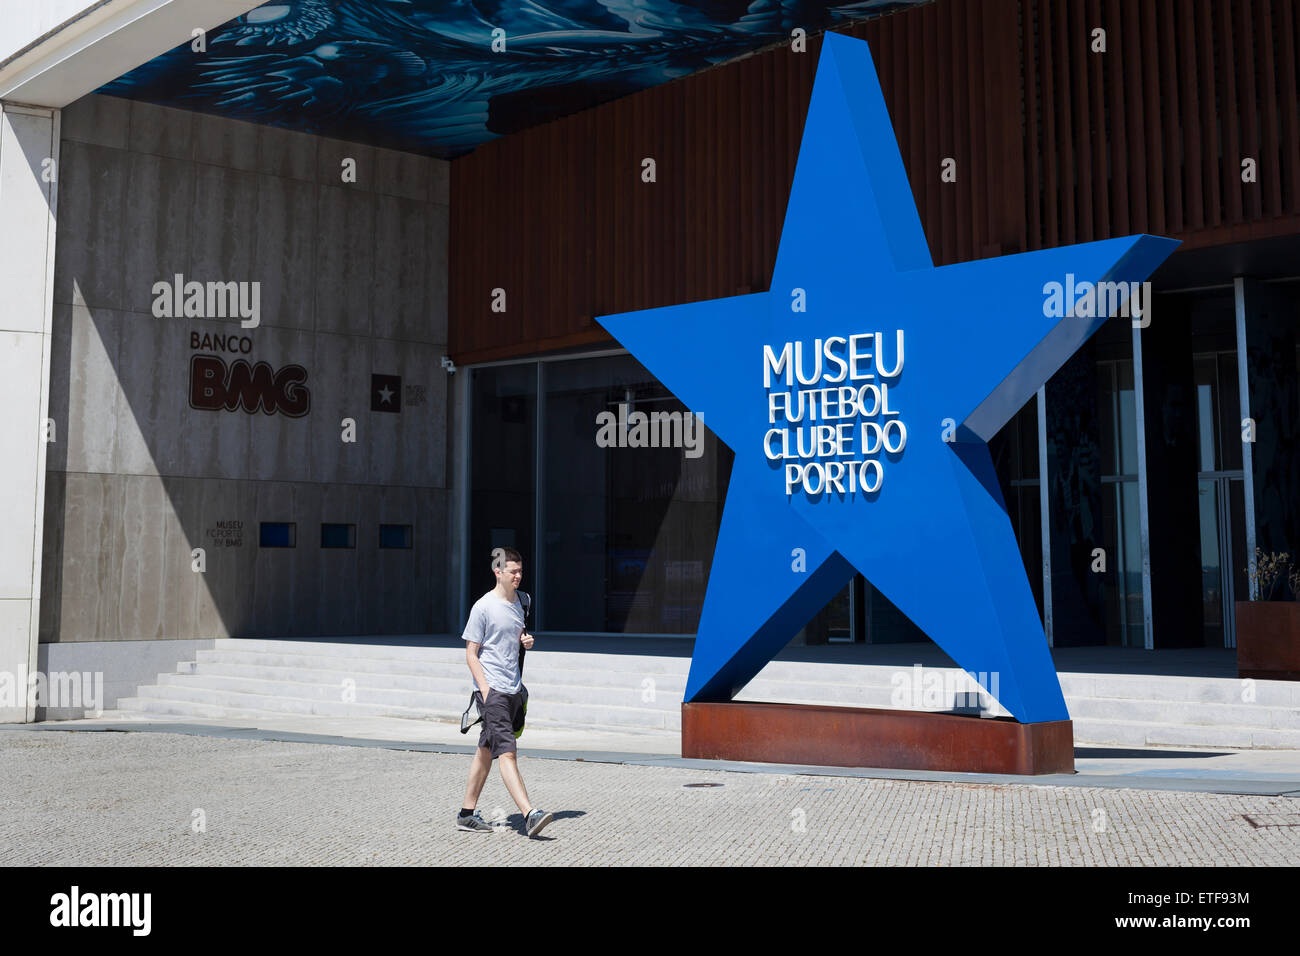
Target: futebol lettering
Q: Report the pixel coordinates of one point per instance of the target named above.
(103, 909)
(208, 300)
(830, 403)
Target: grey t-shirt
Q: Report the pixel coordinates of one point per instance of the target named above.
(496, 626)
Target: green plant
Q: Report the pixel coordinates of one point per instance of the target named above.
(1265, 572)
(1293, 579)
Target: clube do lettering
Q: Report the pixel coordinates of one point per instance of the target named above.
(832, 421)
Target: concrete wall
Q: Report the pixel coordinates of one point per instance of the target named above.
(87, 677)
(353, 281)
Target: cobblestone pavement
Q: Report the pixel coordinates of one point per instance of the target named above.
(136, 798)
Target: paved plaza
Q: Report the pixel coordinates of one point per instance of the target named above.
(149, 798)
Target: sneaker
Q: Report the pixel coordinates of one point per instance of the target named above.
(474, 823)
(536, 821)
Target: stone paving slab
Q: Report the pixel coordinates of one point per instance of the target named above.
(159, 798)
(1155, 768)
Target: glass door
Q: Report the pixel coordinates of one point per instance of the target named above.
(1121, 510)
(1222, 495)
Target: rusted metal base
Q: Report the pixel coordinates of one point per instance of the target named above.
(865, 737)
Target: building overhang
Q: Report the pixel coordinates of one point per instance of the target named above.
(98, 42)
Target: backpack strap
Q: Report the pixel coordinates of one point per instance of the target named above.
(527, 604)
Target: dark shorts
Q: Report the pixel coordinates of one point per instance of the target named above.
(499, 712)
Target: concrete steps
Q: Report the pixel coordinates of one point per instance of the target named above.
(1145, 710)
(240, 678)
(1140, 734)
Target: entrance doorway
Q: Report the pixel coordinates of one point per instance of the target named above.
(1120, 507)
(1222, 495)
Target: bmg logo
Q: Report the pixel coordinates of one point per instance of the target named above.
(215, 386)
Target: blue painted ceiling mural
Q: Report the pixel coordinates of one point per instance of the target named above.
(421, 75)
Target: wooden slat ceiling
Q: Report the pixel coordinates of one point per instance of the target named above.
(1054, 144)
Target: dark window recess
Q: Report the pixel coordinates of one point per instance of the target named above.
(394, 535)
(338, 536)
(278, 534)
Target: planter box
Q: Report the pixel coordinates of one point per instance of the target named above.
(1268, 640)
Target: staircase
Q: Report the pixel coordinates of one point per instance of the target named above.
(242, 678)
(1162, 711)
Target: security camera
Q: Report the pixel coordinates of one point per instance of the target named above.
(449, 365)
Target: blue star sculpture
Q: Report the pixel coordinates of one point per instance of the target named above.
(859, 394)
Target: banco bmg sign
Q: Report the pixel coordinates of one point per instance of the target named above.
(220, 385)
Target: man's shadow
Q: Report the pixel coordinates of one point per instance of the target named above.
(516, 822)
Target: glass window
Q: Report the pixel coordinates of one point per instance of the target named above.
(833, 624)
(1207, 437)
(395, 536)
(277, 534)
(1117, 403)
(1229, 407)
(338, 536)
(1121, 581)
(1014, 450)
(1218, 419)
(633, 487)
(502, 442)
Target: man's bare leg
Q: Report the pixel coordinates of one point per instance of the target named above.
(514, 782)
(478, 774)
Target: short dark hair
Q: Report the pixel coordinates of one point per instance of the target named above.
(503, 556)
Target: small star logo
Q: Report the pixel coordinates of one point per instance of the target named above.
(385, 393)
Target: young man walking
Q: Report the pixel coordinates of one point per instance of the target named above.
(493, 635)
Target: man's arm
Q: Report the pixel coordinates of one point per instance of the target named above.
(475, 668)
